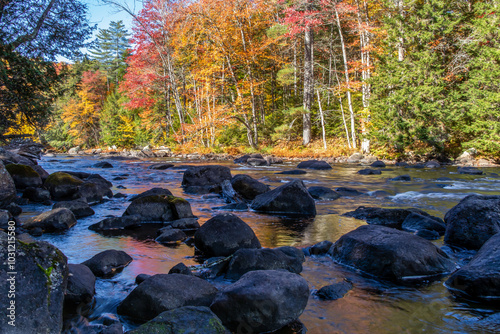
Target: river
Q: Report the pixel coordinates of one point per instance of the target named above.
(371, 307)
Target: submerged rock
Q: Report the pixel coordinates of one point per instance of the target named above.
(469, 171)
(223, 235)
(261, 301)
(164, 292)
(314, 164)
(40, 283)
(116, 224)
(289, 199)
(24, 176)
(369, 171)
(472, 221)
(293, 172)
(348, 192)
(334, 291)
(187, 319)
(245, 260)
(402, 178)
(108, 263)
(161, 166)
(205, 179)
(323, 193)
(247, 187)
(390, 254)
(480, 278)
(170, 235)
(56, 220)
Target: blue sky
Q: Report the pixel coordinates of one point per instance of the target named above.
(102, 15)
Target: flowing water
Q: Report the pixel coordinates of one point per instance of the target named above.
(371, 307)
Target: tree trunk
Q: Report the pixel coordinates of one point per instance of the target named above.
(322, 120)
(308, 85)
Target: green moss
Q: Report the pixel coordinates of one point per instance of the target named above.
(176, 200)
(23, 170)
(59, 178)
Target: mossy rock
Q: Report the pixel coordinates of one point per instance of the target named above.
(62, 185)
(24, 176)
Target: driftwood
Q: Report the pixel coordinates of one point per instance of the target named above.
(229, 194)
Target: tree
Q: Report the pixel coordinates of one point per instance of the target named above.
(111, 50)
(32, 34)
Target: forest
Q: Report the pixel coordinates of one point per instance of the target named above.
(396, 77)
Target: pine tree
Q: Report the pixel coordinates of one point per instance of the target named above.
(111, 50)
(412, 106)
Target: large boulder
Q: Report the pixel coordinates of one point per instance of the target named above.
(205, 179)
(81, 288)
(391, 254)
(248, 187)
(37, 195)
(108, 263)
(416, 222)
(289, 199)
(480, 278)
(245, 260)
(164, 292)
(153, 191)
(472, 221)
(56, 220)
(314, 164)
(223, 235)
(187, 319)
(24, 176)
(7, 187)
(261, 301)
(387, 217)
(62, 186)
(39, 284)
(159, 208)
(78, 207)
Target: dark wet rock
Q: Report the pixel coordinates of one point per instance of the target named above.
(355, 158)
(379, 193)
(159, 208)
(24, 176)
(80, 175)
(387, 217)
(314, 164)
(121, 187)
(273, 160)
(40, 284)
(108, 263)
(180, 268)
(242, 159)
(103, 164)
(141, 278)
(214, 267)
(119, 195)
(428, 234)
(417, 166)
(415, 222)
(334, 291)
(153, 191)
(247, 187)
(348, 192)
(257, 162)
(81, 288)
(469, 171)
(62, 185)
(401, 164)
(246, 260)
(480, 278)
(369, 171)
(261, 301)
(205, 179)
(79, 208)
(293, 172)
(232, 207)
(472, 221)
(223, 235)
(321, 248)
(391, 254)
(184, 224)
(402, 178)
(56, 220)
(37, 195)
(323, 193)
(378, 164)
(441, 179)
(488, 324)
(291, 198)
(116, 223)
(93, 192)
(5, 218)
(160, 166)
(42, 172)
(170, 235)
(7, 187)
(36, 232)
(164, 292)
(432, 164)
(98, 179)
(187, 319)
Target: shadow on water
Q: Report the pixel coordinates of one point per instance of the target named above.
(370, 307)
